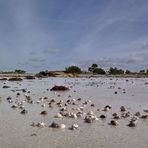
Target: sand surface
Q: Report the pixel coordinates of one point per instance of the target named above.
(16, 132)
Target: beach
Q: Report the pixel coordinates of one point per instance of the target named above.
(16, 130)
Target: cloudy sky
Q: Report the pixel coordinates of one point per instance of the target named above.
(52, 34)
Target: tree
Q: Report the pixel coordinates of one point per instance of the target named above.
(142, 71)
(115, 71)
(73, 69)
(94, 65)
(18, 71)
(128, 72)
(99, 71)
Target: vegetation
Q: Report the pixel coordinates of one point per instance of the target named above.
(128, 72)
(95, 70)
(142, 71)
(45, 74)
(99, 71)
(73, 69)
(115, 71)
(18, 71)
(94, 65)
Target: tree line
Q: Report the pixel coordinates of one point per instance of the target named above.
(94, 69)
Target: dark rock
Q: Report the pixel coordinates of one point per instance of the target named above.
(137, 114)
(132, 123)
(114, 122)
(24, 111)
(88, 119)
(30, 77)
(92, 105)
(44, 113)
(144, 116)
(3, 79)
(79, 99)
(15, 79)
(102, 116)
(108, 106)
(9, 98)
(6, 86)
(18, 94)
(59, 88)
(123, 109)
(55, 125)
(115, 92)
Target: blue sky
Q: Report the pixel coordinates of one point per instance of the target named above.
(52, 34)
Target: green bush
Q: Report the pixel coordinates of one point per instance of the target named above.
(99, 71)
(73, 69)
(115, 71)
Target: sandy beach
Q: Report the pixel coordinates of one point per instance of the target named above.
(16, 130)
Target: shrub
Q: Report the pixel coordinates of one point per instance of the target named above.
(99, 71)
(73, 69)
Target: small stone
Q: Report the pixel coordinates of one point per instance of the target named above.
(44, 113)
(54, 125)
(14, 106)
(132, 123)
(34, 134)
(24, 111)
(6, 86)
(74, 126)
(102, 116)
(137, 114)
(115, 92)
(114, 122)
(58, 115)
(123, 109)
(62, 126)
(40, 124)
(144, 116)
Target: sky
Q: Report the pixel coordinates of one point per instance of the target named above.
(40, 35)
